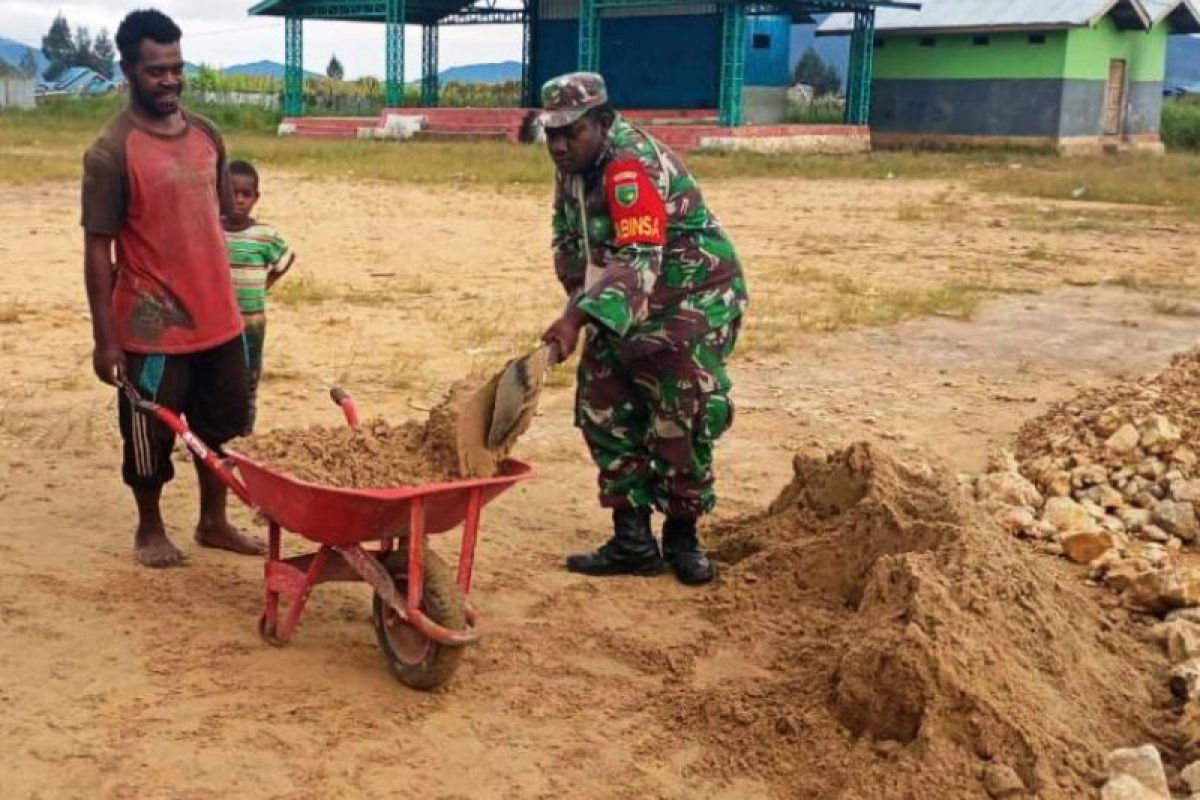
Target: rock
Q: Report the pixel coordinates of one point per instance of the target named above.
(1112, 524)
(1184, 615)
(1125, 787)
(1002, 781)
(1185, 681)
(1143, 764)
(1089, 475)
(1152, 469)
(1067, 515)
(1106, 497)
(1058, 484)
(1186, 492)
(1135, 518)
(1010, 488)
(1003, 461)
(1084, 547)
(1094, 511)
(1109, 421)
(1184, 456)
(1191, 777)
(1124, 441)
(1159, 592)
(1050, 549)
(1159, 434)
(1178, 519)
(1123, 575)
(1153, 533)
(1183, 642)
(1145, 499)
(1153, 554)
(1016, 521)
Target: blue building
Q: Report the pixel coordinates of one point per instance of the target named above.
(732, 55)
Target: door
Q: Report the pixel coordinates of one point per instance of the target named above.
(1114, 99)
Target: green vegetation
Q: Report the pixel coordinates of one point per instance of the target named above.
(46, 144)
(1181, 123)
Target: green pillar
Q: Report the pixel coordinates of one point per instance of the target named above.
(395, 53)
(733, 63)
(862, 67)
(589, 36)
(529, 91)
(429, 66)
(293, 75)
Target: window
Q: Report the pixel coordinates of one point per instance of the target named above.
(762, 41)
(981, 41)
(928, 41)
(1037, 38)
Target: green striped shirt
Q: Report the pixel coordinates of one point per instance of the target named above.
(254, 254)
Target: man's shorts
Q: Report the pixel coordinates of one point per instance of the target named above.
(210, 388)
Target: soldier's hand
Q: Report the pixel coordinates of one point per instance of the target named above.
(564, 333)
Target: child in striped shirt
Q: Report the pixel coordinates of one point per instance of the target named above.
(258, 257)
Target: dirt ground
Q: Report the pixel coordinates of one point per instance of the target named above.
(123, 683)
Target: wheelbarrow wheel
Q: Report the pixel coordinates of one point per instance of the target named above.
(416, 660)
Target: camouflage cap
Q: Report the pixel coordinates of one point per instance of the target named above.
(568, 97)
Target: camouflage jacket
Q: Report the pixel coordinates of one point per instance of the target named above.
(662, 271)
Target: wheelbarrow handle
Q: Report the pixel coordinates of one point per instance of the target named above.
(219, 466)
(342, 398)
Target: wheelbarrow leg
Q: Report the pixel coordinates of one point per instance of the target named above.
(268, 624)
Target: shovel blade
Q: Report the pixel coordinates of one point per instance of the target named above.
(518, 387)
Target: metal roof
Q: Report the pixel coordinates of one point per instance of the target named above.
(999, 15)
(416, 12)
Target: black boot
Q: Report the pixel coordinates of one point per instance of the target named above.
(631, 551)
(681, 550)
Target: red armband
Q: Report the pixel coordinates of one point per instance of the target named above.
(638, 213)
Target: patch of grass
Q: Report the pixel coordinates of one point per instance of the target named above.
(304, 289)
(890, 306)
(1174, 308)
(404, 372)
(910, 213)
(11, 311)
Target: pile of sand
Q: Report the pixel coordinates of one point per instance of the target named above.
(908, 648)
(449, 445)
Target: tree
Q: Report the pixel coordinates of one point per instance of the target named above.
(58, 47)
(83, 55)
(29, 64)
(335, 70)
(104, 54)
(813, 71)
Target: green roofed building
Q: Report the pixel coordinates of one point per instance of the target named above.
(1079, 75)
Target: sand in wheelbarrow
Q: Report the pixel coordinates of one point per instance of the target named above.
(448, 446)
(902, 646)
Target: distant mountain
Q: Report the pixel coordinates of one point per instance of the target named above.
(264, 69)
(12, 51)
(501, 72)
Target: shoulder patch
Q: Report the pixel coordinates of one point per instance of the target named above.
(639, 215)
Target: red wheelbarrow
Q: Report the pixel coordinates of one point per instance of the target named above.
(421, 612)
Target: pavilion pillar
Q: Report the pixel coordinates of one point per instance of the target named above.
(589, 36)
(429, 65)
(733, 63)
(862, 67)
(293, 75)
(394, 31)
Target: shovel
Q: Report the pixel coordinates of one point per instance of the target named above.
(517, 389)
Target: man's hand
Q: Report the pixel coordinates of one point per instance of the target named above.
(564, 333)
(108, 362)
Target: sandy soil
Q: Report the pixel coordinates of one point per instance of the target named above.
(118, 682)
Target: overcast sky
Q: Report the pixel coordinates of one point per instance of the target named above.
(219, 32)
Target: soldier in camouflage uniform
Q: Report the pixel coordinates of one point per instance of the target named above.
(657, 285)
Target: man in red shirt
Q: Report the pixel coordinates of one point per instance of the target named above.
(164, 316)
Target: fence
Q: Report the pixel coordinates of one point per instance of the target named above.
(16, 93)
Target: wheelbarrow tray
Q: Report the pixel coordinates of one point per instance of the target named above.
(344, 517)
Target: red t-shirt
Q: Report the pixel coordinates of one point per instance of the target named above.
(160, 198)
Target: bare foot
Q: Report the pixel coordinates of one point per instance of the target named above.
(153, 549)
(227, 537)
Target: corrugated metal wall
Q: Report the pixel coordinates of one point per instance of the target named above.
(16, 93)
(662, 60)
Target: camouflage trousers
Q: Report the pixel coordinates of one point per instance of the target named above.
(651, 423)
